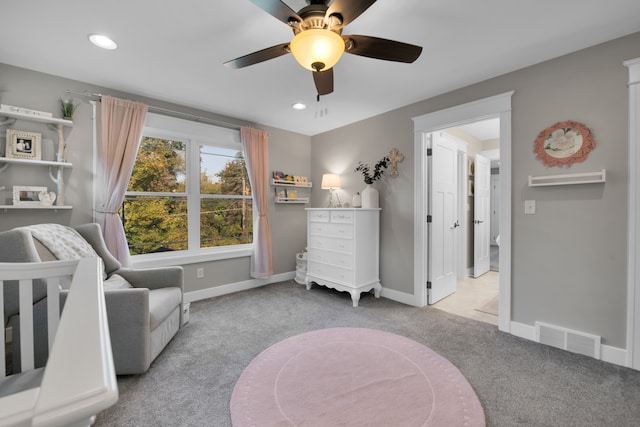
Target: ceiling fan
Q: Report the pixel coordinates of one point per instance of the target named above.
(318, 42)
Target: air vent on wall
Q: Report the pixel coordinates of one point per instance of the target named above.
(567, 339)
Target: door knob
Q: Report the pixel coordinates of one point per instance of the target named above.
(477, 221)
(457, 224)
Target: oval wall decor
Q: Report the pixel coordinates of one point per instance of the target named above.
(564, 143)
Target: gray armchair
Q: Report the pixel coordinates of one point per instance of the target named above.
(144, 306)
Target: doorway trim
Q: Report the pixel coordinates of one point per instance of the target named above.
(487, 108)
(633, 218)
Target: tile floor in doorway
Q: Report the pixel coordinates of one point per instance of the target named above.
(471, 296)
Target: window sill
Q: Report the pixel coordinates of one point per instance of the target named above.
(186, 257)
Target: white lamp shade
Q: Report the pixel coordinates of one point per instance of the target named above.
(317, 46)
(330, 181)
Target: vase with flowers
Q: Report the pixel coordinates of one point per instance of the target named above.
(370, 197)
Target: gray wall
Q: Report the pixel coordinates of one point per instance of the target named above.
(568, 260)
(287, 151)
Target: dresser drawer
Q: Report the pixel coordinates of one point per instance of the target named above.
(330, 272)
(332, 230)
(319, 216)
(342, 217)
(338, 259)
(331, 243)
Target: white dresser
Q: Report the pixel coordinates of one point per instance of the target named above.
(343, 249)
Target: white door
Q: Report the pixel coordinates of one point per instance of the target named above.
(481, 216)
(495, 208)
(443, 209)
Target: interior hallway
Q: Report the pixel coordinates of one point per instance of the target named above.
(475, 299)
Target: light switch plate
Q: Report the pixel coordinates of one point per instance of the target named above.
(529, 207)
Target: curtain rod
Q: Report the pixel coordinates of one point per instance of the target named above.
(174, 113)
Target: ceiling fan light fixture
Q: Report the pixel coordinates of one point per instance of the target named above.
(317, 49)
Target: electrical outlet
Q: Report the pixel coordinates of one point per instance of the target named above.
(529, 207)
(200, 273)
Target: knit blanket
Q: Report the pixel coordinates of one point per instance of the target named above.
(63, 242)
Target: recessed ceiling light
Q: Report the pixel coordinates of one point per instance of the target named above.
(298, 106)
(102, 41)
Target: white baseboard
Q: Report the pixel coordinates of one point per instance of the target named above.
(609, 354)
(217, 291)
(615, 355)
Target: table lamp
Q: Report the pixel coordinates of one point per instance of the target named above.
(331, 182)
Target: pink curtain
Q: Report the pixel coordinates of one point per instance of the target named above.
(119, 129)
(256, 148)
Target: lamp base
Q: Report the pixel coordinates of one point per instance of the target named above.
(331, 204)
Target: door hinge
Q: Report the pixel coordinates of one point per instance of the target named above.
(429, 219)
(429, 151)
(428, 285)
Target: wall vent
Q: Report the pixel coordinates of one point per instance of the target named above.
(567, 339)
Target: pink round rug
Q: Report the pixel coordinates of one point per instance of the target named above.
(353, 377)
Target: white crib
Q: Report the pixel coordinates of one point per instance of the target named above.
(79, 379)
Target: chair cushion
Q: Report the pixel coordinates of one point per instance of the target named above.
(161, 303)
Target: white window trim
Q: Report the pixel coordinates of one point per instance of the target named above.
(196, 134)
(162, 259)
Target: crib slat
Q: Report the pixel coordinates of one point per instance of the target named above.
(3, 362)
(26, 325)
(53, 307)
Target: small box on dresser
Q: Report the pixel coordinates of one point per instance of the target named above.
(343, 250)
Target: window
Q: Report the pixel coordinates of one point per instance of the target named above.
(189, 190)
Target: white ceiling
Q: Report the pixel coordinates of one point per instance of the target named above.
(174, 50)
(483, 130)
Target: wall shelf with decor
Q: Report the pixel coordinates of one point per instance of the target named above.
(292, 200)
(282, 183)
(286, 191)
(569, 179)
(54, 208)
(8, 116)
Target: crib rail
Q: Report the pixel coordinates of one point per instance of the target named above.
(79, 376)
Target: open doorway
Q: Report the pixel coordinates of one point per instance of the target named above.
(477, 290)
(494, 106)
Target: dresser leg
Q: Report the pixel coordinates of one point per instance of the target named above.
(355, 297)
(377, 290)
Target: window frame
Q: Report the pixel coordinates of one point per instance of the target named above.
(194, 135)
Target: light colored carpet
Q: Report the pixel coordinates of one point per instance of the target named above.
(353, 376)
(518, 382)
(490, 307)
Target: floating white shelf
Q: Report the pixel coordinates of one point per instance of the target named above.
(568, 179)
(29, 162)
(292, 200)
(40, 119)
(279, 182)
(41, 207)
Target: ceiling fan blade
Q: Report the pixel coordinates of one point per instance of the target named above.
(278, 10)
(259, 56)
(323, 81)
(349, 9)
(388, 50)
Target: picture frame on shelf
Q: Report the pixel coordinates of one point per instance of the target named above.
(23, 145)
(27, 195)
